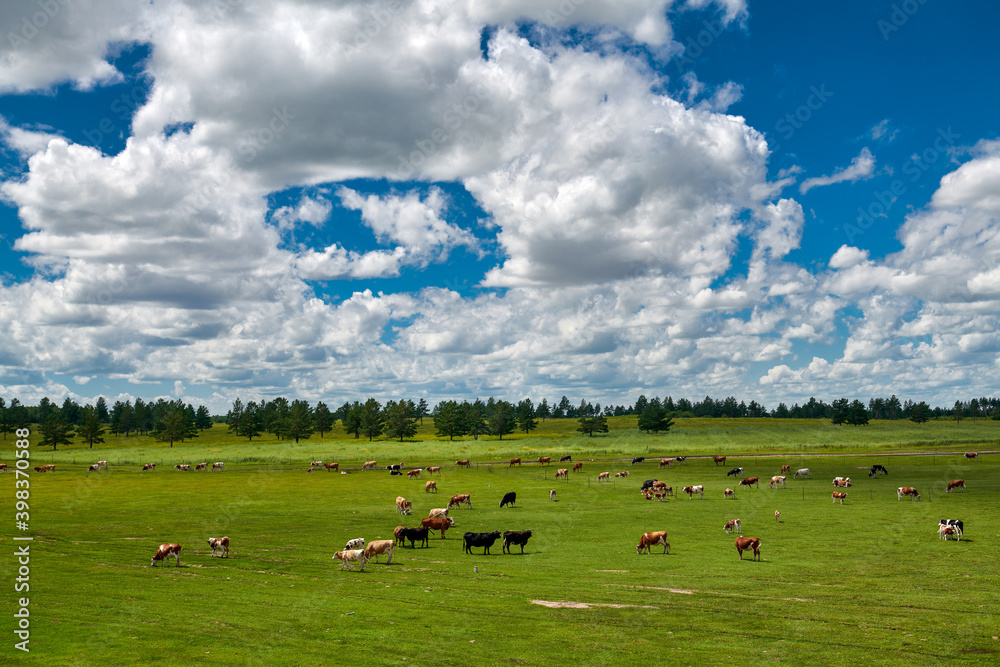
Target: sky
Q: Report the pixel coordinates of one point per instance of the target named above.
(457, 199)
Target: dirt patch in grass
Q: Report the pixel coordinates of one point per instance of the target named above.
(566, 604)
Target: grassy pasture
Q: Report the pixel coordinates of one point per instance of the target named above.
(866, 582)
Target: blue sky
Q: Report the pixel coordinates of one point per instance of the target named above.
(459, 199)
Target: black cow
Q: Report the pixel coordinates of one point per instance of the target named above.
(735, 472)
(638, 459)
(876, 469)
(953, 522)
(395, 472)
(413, 535)
(484, 540)
(648, 484)
(519, 537)
(508, 499)
(566, 458)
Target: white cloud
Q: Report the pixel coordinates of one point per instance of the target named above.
(861, 167)
(847, 257)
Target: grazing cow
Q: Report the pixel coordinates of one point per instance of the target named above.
(841, 481)
(648, 540)
(460, 498)
(183, 466)
(777, 516)
(518, 537)
(972, 455)
(552, 494)
(786, 468)
(463, 463)
(719, 460)
(568, 457)
(508, 499)
(430, 486)
(746, 544)
(776, 480)
(751, 481)
(839, 495)
(414, 535)
(513, 461)
(957, 523)
(220, 544)
(735, 472)
(369, 465)
(604, 476)
(351, 556)
(562, 472)
(802, 472)
(378, 548)
(316, 464)
(403, 506)
(484, 540)
(691, 490)
(648, 484)
(733, 525)
(545, 460)
(638, 459)
(945, 531)
(666, 463)
(907, 491)
(876, 469)
(957, 484)
(438, 512)
(397, 533)
(623, 473)
(331, 466)
(201, 466)
(728, 492)
(661, 495)
(49, 467)
(433, 469)
(166, 552)
(578, 466)
(438, 523)
(93, 468)
(682, 459)
(415, 473)
(3, 466)
(659, 486)
(218, 465)
(149, 466)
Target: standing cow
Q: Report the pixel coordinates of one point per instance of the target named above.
(746, 544)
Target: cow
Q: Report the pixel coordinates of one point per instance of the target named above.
(647, 494)
(841, 481)
(415, 473)
(668, 491)
(568, 457)
(351, 556)
(802, 472)
(907, 491)
(623, 473)
(786, 468)
(394, 466)
(394, 472)
(436, 523)
(839, 495)
(648, 540)
(733, 525)
(957, 484)
(218, 465)
(776, 480)
(638, 459)
(430, 486)
(515, 460)
(957, 523)
(661, 495)
(508, 499)
(464, 463)
(578, 466)
(518, 537)
(545, 460)
(945, 531)
(484, 540)
(433, 469)
(201, 466)
(356, 543)
(460, 498)
(331, 466)
(220, 544)
(666, 463)
(414, 535)
(403, 506)
(3, 466)
(149, 466)
(876, 469)
(552, 495)
(750, 481)
(49, 467)
(648, 484)
(438, 512)
(735, 472)
(719, 460)
(659, 486)
(562, 472)
(183, 466)
(377, 548)
(972, 455)
(397, 533)
(166, 552)
(691, 490)
(102, 464)
(746, 544)
(682, 459)
(93, 468)
(316, 464)
(777, 516)
(369, 465)
(728, 492)
(604, 476)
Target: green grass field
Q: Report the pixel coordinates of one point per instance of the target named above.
(868, 582)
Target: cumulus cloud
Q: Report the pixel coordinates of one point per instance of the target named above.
(861, 167)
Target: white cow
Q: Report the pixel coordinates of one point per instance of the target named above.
(802, 472)
(218, 465)
(441, 512)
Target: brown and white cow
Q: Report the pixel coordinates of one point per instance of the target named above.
(464, 463)
(839, 495)
(957, 484)
(786, 468)
(513, 461)
(3, 466)
(403, 506)
(397, 533)
(48, 467)
(552, 494)
(438, 512)
(777, 516)
(777, 480)
(691, 490)
(746, 544)
(349, 556)
(733, 525)
(183, 466)
(430, 486)
(201, 466)
(93, 468)
(460, 498)
(727, 493)
(562, 472)
(331, 466)
(604, 476)
(378, 548)
(316, 464)
(149, 466)
(842, 481)
(545, 460)
(102, 464)
(719, 460)
(907, 491)
(750, 481)
(666, 463)
(438, 523)
(623, 473)
(218, 465)
(648, 540)
(166, 552)
(433, 469)
(220, 544)
(972, 455)
(944, 530)
(578, 466)
(369, 465)
(415, 473)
